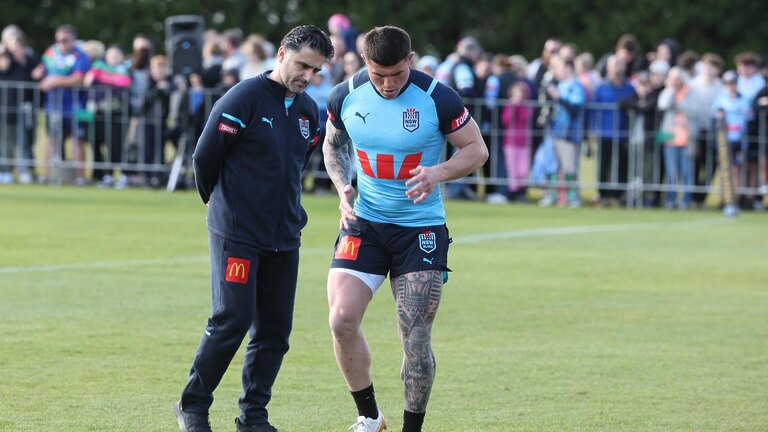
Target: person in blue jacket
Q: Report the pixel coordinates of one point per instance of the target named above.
(248, 167)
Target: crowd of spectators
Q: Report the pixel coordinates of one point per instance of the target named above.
(647, 113)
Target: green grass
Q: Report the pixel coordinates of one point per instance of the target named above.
(641, 321)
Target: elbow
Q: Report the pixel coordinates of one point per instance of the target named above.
(483, 155)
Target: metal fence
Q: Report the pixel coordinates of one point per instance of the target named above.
(89, 133)
(630, 160)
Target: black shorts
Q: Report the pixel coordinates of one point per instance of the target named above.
(381, 248)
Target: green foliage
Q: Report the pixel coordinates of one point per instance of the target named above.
(641, 321)
(435, 25)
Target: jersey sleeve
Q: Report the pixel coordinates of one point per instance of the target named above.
(335, 100)
(451, 112)
(82, 64)
(227, 122)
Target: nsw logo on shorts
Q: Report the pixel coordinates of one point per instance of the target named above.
(348, 248)
(427, 241)
(237, 270)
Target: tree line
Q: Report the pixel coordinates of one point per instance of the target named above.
(506, 26)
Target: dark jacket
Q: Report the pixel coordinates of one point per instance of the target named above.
(248, 164)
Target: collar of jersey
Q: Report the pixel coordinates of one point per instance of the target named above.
(275, 89)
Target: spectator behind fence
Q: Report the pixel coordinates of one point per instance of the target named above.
(609, 123)
(463, 79)
(760, 113)
(231, 40)
(497, 87)
(704, 89)
(352, 64)
(516, 118)
(539, 66)
(677, 107)
(17, 119)
(734, 109)
(643, 123)
(627, 49)
(319, 89)
(110, 82)
(336, 67)
(750, 82)
(61, 75)
(340, 25)
(666, 50)
(567, 128)
(255, 57)
(428, 64)
(583, 67)
(134, 140)
(154, 125)
(212, 59)
(484, 111)
(687, 61)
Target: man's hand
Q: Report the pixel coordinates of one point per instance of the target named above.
(553, 92)
(423, 183)
(48, 83)
(347, 206)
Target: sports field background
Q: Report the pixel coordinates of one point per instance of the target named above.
(553, 319)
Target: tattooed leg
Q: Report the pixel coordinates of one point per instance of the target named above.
(417, 296)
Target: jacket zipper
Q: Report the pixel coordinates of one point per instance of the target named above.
(285, 172)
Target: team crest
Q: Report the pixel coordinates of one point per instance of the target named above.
(410, 119)
(427, 241)
(304, 127)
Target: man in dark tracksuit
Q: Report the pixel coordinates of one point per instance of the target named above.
(248, 165)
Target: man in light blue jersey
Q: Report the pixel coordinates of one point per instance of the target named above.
(397, 119)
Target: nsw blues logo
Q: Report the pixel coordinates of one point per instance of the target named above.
(304, 127)
(410, 119)
(427, 241)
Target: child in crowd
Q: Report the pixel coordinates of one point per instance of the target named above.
(734, 109)
(516, 118)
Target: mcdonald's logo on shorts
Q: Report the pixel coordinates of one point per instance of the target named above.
(237, 270)
(348, 248)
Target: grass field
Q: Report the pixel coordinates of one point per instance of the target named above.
(553, 320)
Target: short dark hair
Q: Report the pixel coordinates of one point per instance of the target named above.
(387, 45)
(308, 36)
(748, 59)
(628, 41)
(67, 28)
(713, 59)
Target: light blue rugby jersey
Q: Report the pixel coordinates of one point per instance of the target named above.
(393, 136)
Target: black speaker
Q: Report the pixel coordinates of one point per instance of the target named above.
(184, 43)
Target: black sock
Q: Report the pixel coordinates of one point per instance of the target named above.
(412, 421)
(366, 402)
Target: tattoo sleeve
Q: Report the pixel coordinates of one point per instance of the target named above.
(337, 155)
(417, 296)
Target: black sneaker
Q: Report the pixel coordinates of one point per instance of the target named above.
(189, 421)
(261, 427)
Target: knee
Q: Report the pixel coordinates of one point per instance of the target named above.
(343, 324)
(230, 322)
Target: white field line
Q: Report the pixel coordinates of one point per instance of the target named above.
(584, 229)
(475, 238)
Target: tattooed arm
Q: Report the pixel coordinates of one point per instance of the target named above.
(338, 164)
